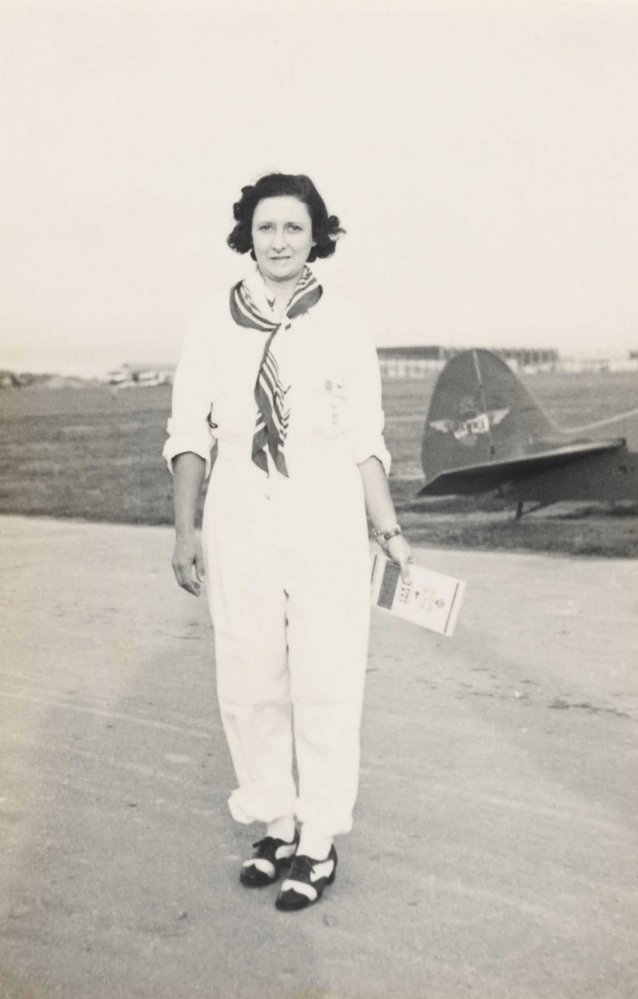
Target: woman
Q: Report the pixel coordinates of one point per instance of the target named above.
(283, 376)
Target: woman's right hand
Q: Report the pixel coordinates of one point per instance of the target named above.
(188, 562)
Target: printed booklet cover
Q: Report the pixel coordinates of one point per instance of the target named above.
(431, 599)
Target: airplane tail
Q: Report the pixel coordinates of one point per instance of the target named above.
(480, 416)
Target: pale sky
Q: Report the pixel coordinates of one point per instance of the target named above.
(482, 157)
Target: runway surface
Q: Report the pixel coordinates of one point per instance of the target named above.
(494, 852)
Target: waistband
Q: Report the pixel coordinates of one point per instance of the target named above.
(239, 449)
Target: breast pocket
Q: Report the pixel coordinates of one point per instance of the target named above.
(327, 398)
(317, 379)
(332, 389)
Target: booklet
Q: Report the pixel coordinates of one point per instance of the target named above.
(431, 599)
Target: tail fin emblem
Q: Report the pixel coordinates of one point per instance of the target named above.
(465, 431)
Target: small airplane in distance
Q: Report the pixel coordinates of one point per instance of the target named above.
(485, 432)
(137, 375)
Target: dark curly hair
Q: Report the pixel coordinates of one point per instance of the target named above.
(325, 228)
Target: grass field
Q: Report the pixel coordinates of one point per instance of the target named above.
(94, 454)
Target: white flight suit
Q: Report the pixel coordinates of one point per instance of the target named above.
(287, 559)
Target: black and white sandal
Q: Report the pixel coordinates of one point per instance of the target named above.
(270, 858)
(306, 881)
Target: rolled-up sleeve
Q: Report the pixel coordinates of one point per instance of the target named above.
(193, 394)
(365, 418)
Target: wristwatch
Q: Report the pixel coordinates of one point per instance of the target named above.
(384, 536)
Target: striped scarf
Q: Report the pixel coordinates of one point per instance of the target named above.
(271, 427)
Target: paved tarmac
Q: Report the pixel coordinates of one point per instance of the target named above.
(494, 850)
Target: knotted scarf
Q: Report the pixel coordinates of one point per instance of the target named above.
(273, 416)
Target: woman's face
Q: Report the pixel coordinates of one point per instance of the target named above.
(282, 237)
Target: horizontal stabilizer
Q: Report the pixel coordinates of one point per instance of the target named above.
(471, 479)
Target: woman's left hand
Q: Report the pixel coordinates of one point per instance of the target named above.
(400, 552)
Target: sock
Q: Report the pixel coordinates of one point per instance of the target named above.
(312, 844)
(282, 828)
